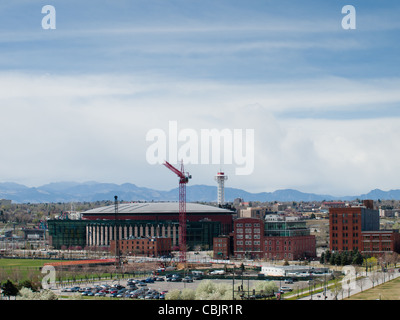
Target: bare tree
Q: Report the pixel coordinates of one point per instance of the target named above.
(374, 277)
(337, 288)
(361, 282)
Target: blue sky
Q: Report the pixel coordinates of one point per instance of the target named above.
(323, 102)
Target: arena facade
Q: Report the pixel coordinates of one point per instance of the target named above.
(96, 228)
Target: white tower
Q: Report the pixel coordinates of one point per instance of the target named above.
(220, 178)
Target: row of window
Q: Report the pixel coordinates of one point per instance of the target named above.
(345, 241)
(137, 247)
(249, 230)
(345, 227)
(248, 236)
(247, 225)
(335, 215)
(248, 243)
(345, 221)
(344, 235)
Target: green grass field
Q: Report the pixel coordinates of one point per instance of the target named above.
(23, 263)
(387, 291)
(21, 269)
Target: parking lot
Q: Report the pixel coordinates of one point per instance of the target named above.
(157, 287)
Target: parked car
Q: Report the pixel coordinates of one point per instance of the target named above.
(187, 279)
(159, 279)
(176, 278)
(288, 281)
(286, 289)
(217, 272)
(100, 294)
(197, 276)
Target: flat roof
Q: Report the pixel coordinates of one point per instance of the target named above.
(157, 207)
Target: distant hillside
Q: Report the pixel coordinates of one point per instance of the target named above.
(94, 191)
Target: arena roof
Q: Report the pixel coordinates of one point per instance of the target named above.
(157, 207)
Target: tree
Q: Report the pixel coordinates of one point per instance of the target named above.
(28, 294)
(187, 294)
(9, 289)
(344, 258)
(336, 288)
(357, 258)
(173, 295)
(267, 287)
(322, 259)
(327, 256)
(361, 281)
(208, 290)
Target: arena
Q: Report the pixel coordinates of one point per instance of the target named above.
(150, 219)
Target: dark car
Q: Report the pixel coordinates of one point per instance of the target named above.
(142, 284)
(159, 279)
(176, 279)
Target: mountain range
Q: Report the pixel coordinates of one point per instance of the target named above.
(94, 191)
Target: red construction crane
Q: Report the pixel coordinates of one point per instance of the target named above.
(183, 180)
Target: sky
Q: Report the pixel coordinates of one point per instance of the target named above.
(78, 102)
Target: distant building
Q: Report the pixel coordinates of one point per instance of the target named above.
(253, 212)
(277, 238)
(333, 204)
(292, 271)
(34, 234)
(222, 247)
(357, 227)
(5, 202)
(149, 247)
(379, 242)
(96, 228)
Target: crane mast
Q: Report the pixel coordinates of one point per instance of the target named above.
(183, 180)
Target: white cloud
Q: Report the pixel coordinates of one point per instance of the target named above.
(93, 127)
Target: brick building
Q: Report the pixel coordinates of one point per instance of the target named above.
(357, 227)
(149, 247)
(222, 247)
(273, 239)
(379, 242)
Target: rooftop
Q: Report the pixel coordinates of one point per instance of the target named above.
(157, 207)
